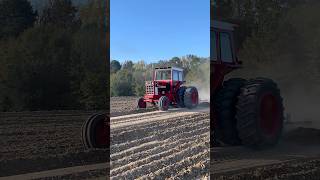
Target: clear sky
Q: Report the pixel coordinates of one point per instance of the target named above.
(153, 30)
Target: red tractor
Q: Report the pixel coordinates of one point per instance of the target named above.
(166, 89)
(248, 112)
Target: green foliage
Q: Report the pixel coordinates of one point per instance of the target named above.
(51, 66)
(121, 83)
(15, 17)
(130, 80)
(60, 13)
(256, 18)
(37, 62)
(88, 68)
(115, 66)
(289, 54)
(127, 65)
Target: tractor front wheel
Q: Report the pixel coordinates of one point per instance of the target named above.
(164, 103)
(141, 104)
(95, 132)
(191, 97)
(260, 113)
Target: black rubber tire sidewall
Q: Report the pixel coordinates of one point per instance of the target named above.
(225, 101)
(162, 101)
(187, 97)
(88, 131)
(248, 113)
(180, 96)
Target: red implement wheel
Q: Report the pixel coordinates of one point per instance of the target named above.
(164, 103)
(95, 132)
(260, 113)
(191, 97)
(141, 104)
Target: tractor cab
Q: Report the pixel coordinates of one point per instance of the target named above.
(167, 79)
(223, 49)
(223, 52)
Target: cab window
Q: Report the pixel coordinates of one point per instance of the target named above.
(175, 75)
(225, 47)
(180, 76)
(163, 75)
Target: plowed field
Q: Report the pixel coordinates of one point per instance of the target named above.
(172, 144)
(38, 141)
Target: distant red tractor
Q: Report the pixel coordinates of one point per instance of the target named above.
(166, 89)
(247, 112)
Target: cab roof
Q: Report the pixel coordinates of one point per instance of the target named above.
(223, 25)
(169, 67)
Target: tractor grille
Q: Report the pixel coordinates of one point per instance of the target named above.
(149, 87)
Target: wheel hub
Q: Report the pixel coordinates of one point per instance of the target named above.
(269, 114)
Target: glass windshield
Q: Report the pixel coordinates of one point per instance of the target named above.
(163, 75)
(213, 53)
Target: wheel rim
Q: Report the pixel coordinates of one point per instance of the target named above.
(269, 114)
(101, 133)
(194, 97)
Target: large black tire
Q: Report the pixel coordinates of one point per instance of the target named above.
(95, 132)
(225, 101)
(180, 96)
(260, 113)
(191, 97)
(164, 103)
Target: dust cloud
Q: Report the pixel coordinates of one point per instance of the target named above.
(202, 83)
(302, 106)
(299, 90)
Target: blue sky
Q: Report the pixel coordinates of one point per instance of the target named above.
(152, 30)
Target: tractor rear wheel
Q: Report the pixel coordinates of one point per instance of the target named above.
(180, 96)
(164, 103)
(225, 101)
(95, 132)
(191, 97)
(141, 104)
(260, 113)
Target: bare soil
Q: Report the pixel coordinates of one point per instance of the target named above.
(173, 144)
(160, 144)
(38, 141)
(149, 144)
(297, 156)
(124, 105)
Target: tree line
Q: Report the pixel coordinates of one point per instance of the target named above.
(53, 59)
(128, 78)
(277, 38)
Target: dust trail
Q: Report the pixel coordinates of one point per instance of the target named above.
(203, 82)
(303, 106)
